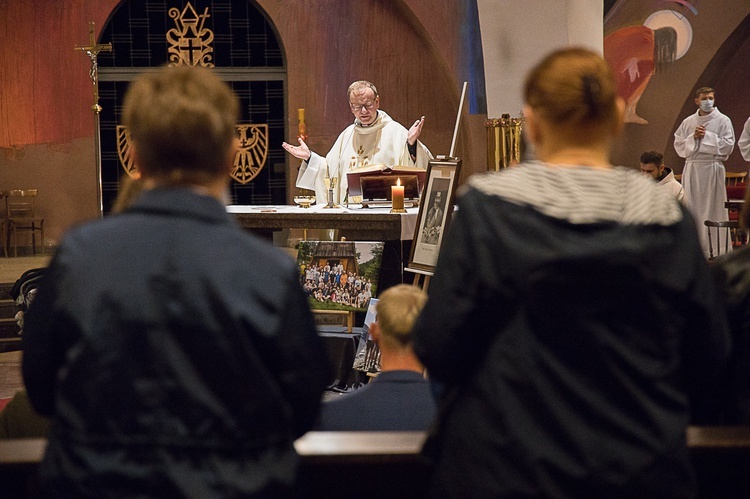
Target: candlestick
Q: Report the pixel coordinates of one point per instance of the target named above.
(397, 198)
(301, 126)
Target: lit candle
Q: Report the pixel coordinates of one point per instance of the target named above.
(397, 196)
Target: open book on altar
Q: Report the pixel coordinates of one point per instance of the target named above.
(372, 183)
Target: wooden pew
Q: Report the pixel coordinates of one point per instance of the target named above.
(19, 461)
(362, 465)
(333, 465)
(721, 458)
(388, 464)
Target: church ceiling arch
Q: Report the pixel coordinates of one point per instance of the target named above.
(235, 39)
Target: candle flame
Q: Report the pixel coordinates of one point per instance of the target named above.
(398, 181)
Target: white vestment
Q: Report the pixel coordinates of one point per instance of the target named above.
(744, 142)
(383, 142)
(703, 176)
(672, 186)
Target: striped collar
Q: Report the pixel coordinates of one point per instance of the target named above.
(583, 195)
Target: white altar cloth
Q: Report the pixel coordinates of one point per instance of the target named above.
(408, 219)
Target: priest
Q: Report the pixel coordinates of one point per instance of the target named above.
(373, 138)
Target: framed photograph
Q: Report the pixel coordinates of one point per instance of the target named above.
(339, 275)
(435, 209)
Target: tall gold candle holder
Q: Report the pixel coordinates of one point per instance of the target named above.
(503, 141)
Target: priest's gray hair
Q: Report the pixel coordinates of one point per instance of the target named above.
(360, 84)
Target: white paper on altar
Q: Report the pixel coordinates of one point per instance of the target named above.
(516, 34)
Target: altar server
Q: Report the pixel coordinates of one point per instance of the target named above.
(744, 142)
(652, 164)
(705, 139)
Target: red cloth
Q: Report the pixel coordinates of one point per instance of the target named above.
(736, 191)
(4, 402)
(621, 49)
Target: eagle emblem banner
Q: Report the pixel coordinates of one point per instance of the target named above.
(248, 162)
(251, 157)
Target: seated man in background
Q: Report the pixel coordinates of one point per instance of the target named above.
(399, 398)
(652, 164)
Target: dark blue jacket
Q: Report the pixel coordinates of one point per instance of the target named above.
(394, 401)
(575, 325)
(175, 353)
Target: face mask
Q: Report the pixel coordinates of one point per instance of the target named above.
(707, 105)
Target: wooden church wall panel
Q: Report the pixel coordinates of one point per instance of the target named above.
(329, 44)
(46, 123)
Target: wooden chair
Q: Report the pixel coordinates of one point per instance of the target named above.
(734, 178)
(735, 197)
(20, 217)
(727, 232)
(367, 358)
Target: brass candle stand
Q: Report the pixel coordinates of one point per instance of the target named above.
(503, 141)
(331, 187)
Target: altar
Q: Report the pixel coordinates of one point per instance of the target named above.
(355, 223)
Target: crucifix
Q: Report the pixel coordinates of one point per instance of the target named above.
(92, 50)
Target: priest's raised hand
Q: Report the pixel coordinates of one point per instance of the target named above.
(301, 151)
(415, 131)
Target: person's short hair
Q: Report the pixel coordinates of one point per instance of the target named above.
(704, 90)
(130, 189)
(397, 309)
(574, 89)
(359, 85)
(652, 157)
(182, 122)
